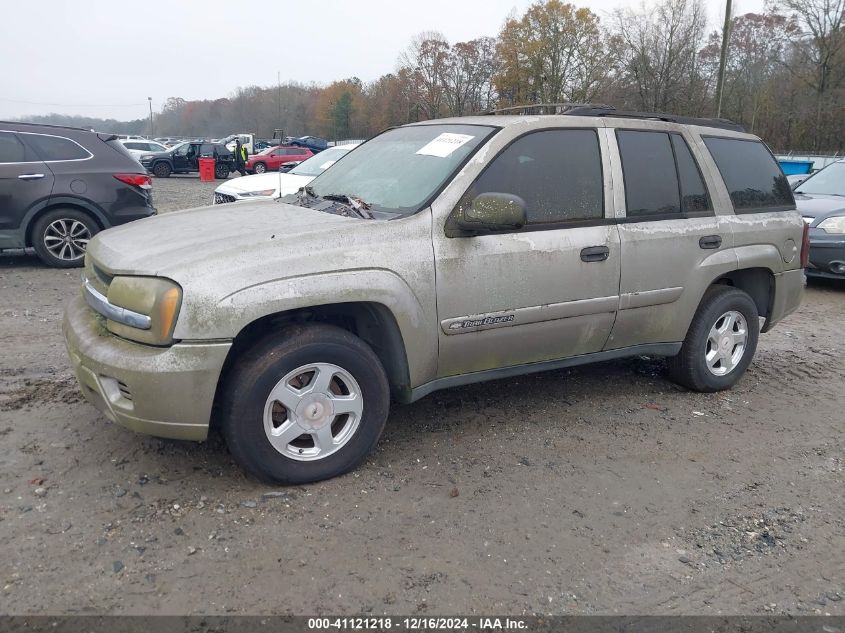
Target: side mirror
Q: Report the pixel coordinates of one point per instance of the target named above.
(493, 212)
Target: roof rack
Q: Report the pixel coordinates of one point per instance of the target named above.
(599, 109)
(590, 110)
(546, 108)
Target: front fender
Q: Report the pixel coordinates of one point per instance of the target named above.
(228, 316)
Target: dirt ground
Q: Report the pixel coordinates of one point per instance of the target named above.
(602, 489)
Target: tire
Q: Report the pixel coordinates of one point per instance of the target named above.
(259, 168)
(221, 171)
(61, 236)
(250, 417)
(162, 170)
(710, 358)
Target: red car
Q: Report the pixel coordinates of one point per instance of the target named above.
(271, 158)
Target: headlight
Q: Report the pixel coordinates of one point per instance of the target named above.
(836, 224)
(264, 193)
(158, 298)
(146, 157)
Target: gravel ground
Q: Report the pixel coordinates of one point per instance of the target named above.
(602, 489)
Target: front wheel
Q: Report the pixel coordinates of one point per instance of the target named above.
(305, 404)
(260, 168)
(720, 343)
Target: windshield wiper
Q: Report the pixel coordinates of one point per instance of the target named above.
(358, 206)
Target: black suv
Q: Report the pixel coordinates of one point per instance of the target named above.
(61, 185)
(184, 158)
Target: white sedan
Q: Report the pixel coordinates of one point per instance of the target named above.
(276, 184)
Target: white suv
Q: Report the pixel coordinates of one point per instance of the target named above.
(139, 147)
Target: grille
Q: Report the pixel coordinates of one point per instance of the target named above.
(223, 198)
(96, 276)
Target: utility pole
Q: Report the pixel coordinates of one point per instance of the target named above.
(279, 97)
(150, 99)
(723, 58)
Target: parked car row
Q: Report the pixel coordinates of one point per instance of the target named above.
(184, 159)
(271, 185)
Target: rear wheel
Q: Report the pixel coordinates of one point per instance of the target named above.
(221, 171)
(60, 237)
(720, 343)
(305, 404)
(260, 168)
(162, 170)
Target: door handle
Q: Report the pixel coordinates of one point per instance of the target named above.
(594, 253)
(710, 241)
(30, 176)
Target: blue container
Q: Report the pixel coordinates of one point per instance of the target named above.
(793, 167)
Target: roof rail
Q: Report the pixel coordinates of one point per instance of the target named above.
(589, 110)
(546, 108)
(49, 125)
(599, 109)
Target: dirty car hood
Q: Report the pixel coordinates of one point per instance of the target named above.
(814, 205)
(206, 237)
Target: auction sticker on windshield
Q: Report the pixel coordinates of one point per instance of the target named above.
(444, 144)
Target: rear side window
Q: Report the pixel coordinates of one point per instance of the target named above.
(11, 149)
(661, 176)
(54, 148)
(694, 196)
(751, 174)
(556, 172)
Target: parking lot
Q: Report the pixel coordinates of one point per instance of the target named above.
(603, 489)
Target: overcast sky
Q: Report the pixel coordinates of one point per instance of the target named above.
(103, 58)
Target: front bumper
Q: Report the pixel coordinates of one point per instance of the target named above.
(162, 391)
(827, 255)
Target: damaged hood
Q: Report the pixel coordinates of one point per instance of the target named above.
(215, 238)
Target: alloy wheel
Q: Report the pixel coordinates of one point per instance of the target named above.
(313, 411)
(66, 239)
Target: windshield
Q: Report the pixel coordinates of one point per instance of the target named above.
(400, 169)
(319, 163)
(266, 150)
(829, 181)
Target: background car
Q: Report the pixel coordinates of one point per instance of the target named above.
(821, 201)
(138, 148)
(274, 157)
(274, 184)
(314, 143)
(61, 185)
(184, 159)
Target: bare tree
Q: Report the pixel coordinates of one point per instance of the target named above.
(819, 54)
(659, 51)
(468, 79)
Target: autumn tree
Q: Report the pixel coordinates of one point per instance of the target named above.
(468, 78)
(425, 62)
(555, 52)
